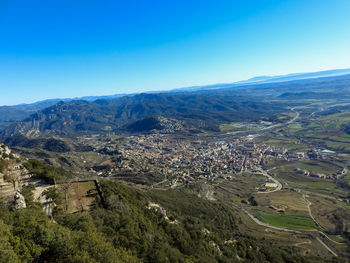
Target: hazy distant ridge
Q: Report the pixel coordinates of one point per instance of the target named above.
(278, 85)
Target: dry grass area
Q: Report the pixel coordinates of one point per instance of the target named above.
(79, 196)
(292, 202)
(327, 212)
(240, 185)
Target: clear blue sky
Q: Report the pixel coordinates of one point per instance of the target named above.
(61, 48)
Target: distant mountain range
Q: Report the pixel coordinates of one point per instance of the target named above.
(270, 79)
(195, 111)
(200, 107)
(11, 114)
(297, 76)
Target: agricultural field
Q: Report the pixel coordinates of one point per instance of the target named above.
(237, 126)
(288, 221)
(286, 116)
(314, 128)
(291, 202)
(317, 166)
(239, 187)
(296, 217)
(331, 214)
(301, 243)
(306, 204)
(286, 172)
(280, 140)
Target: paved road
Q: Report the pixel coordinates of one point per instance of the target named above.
(257, 221)
(283, 124)
(265, 224)
(309, 209)
(318, 224)
(330, 250)
(279, 185)
(268, 127)
(161, 182)
(295, 118)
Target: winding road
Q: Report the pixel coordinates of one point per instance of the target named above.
(283, 124)
(318, 224)
(273, 126)
(279, 185)
(278, 188)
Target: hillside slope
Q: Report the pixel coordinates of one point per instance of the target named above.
(196, 110)
(133, 227)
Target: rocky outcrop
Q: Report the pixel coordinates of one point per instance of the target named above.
(19, 201)
(13, 174)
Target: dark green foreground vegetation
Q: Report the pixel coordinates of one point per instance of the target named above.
(128, 231)
(50, 174)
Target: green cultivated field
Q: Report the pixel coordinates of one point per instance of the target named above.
(286, 173)
(227, 127)
(289, 143)
(343, 204)
(318, 166)
(287, 221)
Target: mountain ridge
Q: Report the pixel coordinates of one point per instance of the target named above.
(196, 110)
(203, 108)
(253, 80)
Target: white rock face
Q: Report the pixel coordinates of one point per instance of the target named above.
(19, 201)
(7, 150)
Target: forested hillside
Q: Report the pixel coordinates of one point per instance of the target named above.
(200, 111)
(155, 226)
